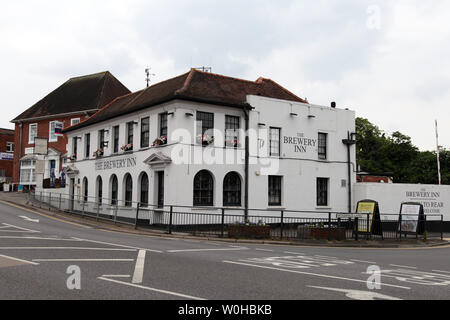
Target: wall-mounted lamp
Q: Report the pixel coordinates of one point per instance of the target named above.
(105, 144)
(294, 114)
(261, 124)
(78, 138)
(311, 116)
(170, 113)
(189, 114)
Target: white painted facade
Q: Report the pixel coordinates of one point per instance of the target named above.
(435, 198)
(182, 158)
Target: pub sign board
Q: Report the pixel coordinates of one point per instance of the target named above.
(411, 218)
(368, 214)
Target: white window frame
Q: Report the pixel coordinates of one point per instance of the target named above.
(72, 121)
(31, 141)
(10, 147)
(51, 133)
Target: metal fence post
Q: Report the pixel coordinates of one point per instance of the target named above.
(329, 226)
(137, 215)
(98, 209)
(82, 210)
(59, 202)
(356, 229)
(50, 201)
(442, 227)
(339, 229)
(400, 225)
(222, 232)
(40, 200)
(282, 224)
(368, 227)
(170, 219)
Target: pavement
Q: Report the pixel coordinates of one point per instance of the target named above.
(44, 256)
(21, 200)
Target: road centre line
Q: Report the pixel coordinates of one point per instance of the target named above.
(139, 268)
(83, 260)
(117, 245)
(396, 265)
(36, 238)
(266, 250)
(313, 274)
(64, 248)
(153, 289)
(201, 250)
(20, 260)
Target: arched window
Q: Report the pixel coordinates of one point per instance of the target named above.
(203, 189)
(232, 190)
(99, 190)
(85, 189)
(114, 189)
(144, 190)
(128, 190)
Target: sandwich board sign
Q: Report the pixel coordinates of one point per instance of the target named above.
(411, 218)
(368, 214)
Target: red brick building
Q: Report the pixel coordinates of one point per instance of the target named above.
(72, 102)
(6, 154)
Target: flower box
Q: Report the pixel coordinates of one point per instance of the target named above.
(237, 231)
(322, 233)
(127, 147)
(232, 143)
(160, 141)
(98, 153)
(205, 140)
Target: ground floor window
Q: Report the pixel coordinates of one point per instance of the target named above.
(114, 190)
(27, 175)
(99, 190)
(85, 190)
(232, 190)
(322, 191)
(144, 190)
(275, 190)
(128, 190)
(203, 189)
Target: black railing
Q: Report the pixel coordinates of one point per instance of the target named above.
(231, 222)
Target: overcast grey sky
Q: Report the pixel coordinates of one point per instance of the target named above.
(387, 60)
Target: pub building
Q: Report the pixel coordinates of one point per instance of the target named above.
(205, 141)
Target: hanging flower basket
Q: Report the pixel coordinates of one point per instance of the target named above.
(127, 147)
(160, 141)
(233, 143)
(205, 140)
(73, 157)
(98, 153)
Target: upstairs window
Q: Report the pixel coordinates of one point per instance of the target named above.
(205, 127)
(274, 141)
(52, 137)
(87, 145)
(101, 139)
(74, 121)
(232, 126)
(145, 132)
(33, 131)
(130, 133)
(116, 139)
(10, 147)
(163, 125)
(322, 146)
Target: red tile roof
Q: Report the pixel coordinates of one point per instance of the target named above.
(90, 92)
(196, 86)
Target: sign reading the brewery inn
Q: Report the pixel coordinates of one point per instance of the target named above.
(300, 142)
(115, 164)
(430, 200)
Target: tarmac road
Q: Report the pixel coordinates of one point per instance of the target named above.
(45, 258)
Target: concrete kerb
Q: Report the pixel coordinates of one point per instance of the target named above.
(110, 226)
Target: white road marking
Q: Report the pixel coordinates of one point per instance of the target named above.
(139, 268)
(313, 274)
(20, 260)
(441, 271)
(370, 262)
(358, 294)
(64, 248)
(116, 276)
(289, 252)
(200, 250)
(29, 219)
(417, 277)
(266, 250)
(35, 238)
(400, 266)
(117, 245)
(83, 260)
(153, 289)
(20, 228)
